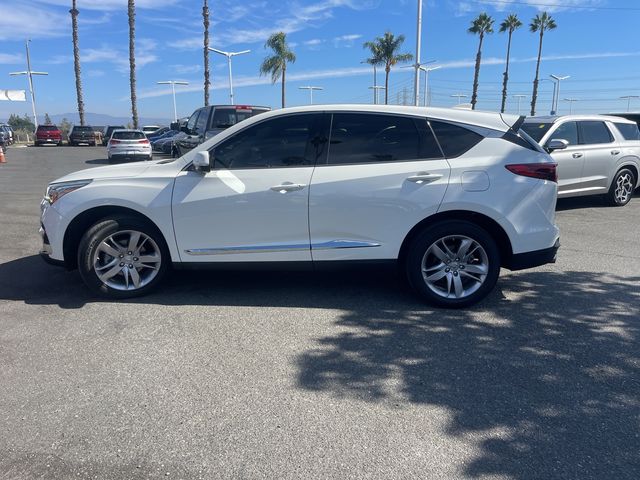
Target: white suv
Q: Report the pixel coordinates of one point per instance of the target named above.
(449, 195)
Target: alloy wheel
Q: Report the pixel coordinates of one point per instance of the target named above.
(455, 266)
(127, 260)
(624, 187)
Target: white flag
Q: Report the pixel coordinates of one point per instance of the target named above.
(13, 95)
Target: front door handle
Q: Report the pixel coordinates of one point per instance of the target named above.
(421, 178)
(615, 152)
(288, 187)
(577, 155)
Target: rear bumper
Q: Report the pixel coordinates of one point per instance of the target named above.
(522, 261)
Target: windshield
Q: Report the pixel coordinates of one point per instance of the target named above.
(82, 129)
(128, 135)
(48, 128)
(536, 130)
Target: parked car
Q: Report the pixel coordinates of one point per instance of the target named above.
(634, 116)
(82, 134)
(596, 154)
(157, 133)
(7, 132)
(150, 128)
(450, 196)
(3, 144)
(109, 130)
(157, 142)
(207, 122)
(129, 144)
(48, 135)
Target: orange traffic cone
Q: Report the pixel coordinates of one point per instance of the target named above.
(2, 157)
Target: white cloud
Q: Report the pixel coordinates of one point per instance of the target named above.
(249, 81)
(346, 41)
(313, 42)
(145, 55)
(185, 69)
(11, 58)
(26, 20)
(95, 73)
(107, 5)
(541, 5)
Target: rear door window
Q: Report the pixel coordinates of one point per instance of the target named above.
(372, 138)
(567, 131)
(454, 139)
(629, 131)
(594, 132)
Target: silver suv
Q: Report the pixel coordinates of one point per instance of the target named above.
(596, 154)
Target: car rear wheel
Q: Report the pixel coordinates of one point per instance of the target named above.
(453, 264)
(122, 257)
(622, 188)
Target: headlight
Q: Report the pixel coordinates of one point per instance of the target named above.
(56, 191)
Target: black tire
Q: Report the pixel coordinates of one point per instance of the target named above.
(452, 229)
(617, 197)
(101, 231)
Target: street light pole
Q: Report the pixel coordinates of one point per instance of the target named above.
(416, 80)
(229, 55)
(628, 99)
(571, 100)
(426, 71)
(459, 96)
(29, 73)
(519, 97)
(311, 89)
(375, 89)
(556, 92)
(173, 84)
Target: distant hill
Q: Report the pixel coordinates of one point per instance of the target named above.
(102, 119)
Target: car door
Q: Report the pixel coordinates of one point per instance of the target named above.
(601, 154)
(253, 205)
(382, 175)
(570, 160)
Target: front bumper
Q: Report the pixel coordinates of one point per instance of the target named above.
(46, 250)
(522, 261)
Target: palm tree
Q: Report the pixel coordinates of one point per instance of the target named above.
(131, 11)
(482, 25)
(540, 23)
(76, 59)
(384, 51)
(276, 64)
(205, 19)
(509, 24)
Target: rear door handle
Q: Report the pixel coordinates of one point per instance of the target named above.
(615, 152)
(577, 155)
(288, 187)
(421, 178)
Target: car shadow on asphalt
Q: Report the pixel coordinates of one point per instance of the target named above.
(98, 161)
(590, 201)
(543, 375)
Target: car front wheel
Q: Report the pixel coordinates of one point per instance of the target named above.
(122, 257)
(453, 264)
(622, 188)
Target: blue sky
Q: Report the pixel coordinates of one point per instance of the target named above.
(596, 46)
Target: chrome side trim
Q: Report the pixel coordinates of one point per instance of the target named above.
(330, 245)
(333, 244)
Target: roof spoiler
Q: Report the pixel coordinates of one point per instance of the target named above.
(512, 121)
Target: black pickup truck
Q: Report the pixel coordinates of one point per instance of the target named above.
(82, 134)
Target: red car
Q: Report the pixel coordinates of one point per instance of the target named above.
(48, 134)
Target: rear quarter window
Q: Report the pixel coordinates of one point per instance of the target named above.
(629, 131)
(454, 140)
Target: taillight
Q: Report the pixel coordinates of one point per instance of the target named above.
(113, 141)
(543, 171)
(146, 140)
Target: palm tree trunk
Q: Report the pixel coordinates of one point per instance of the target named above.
(387, 69)
(284, 74)
(205, 18)
(476, 75)
(534, 95)
(131, 11)
(506, 75)
(76, 59)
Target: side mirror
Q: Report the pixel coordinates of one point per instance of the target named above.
(557, 144)
(201, 161)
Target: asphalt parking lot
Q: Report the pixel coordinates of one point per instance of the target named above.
(300, 375)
